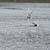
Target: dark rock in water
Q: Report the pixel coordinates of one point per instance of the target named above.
(35, 25)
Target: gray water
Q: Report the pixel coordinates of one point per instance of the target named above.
(18, 33)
